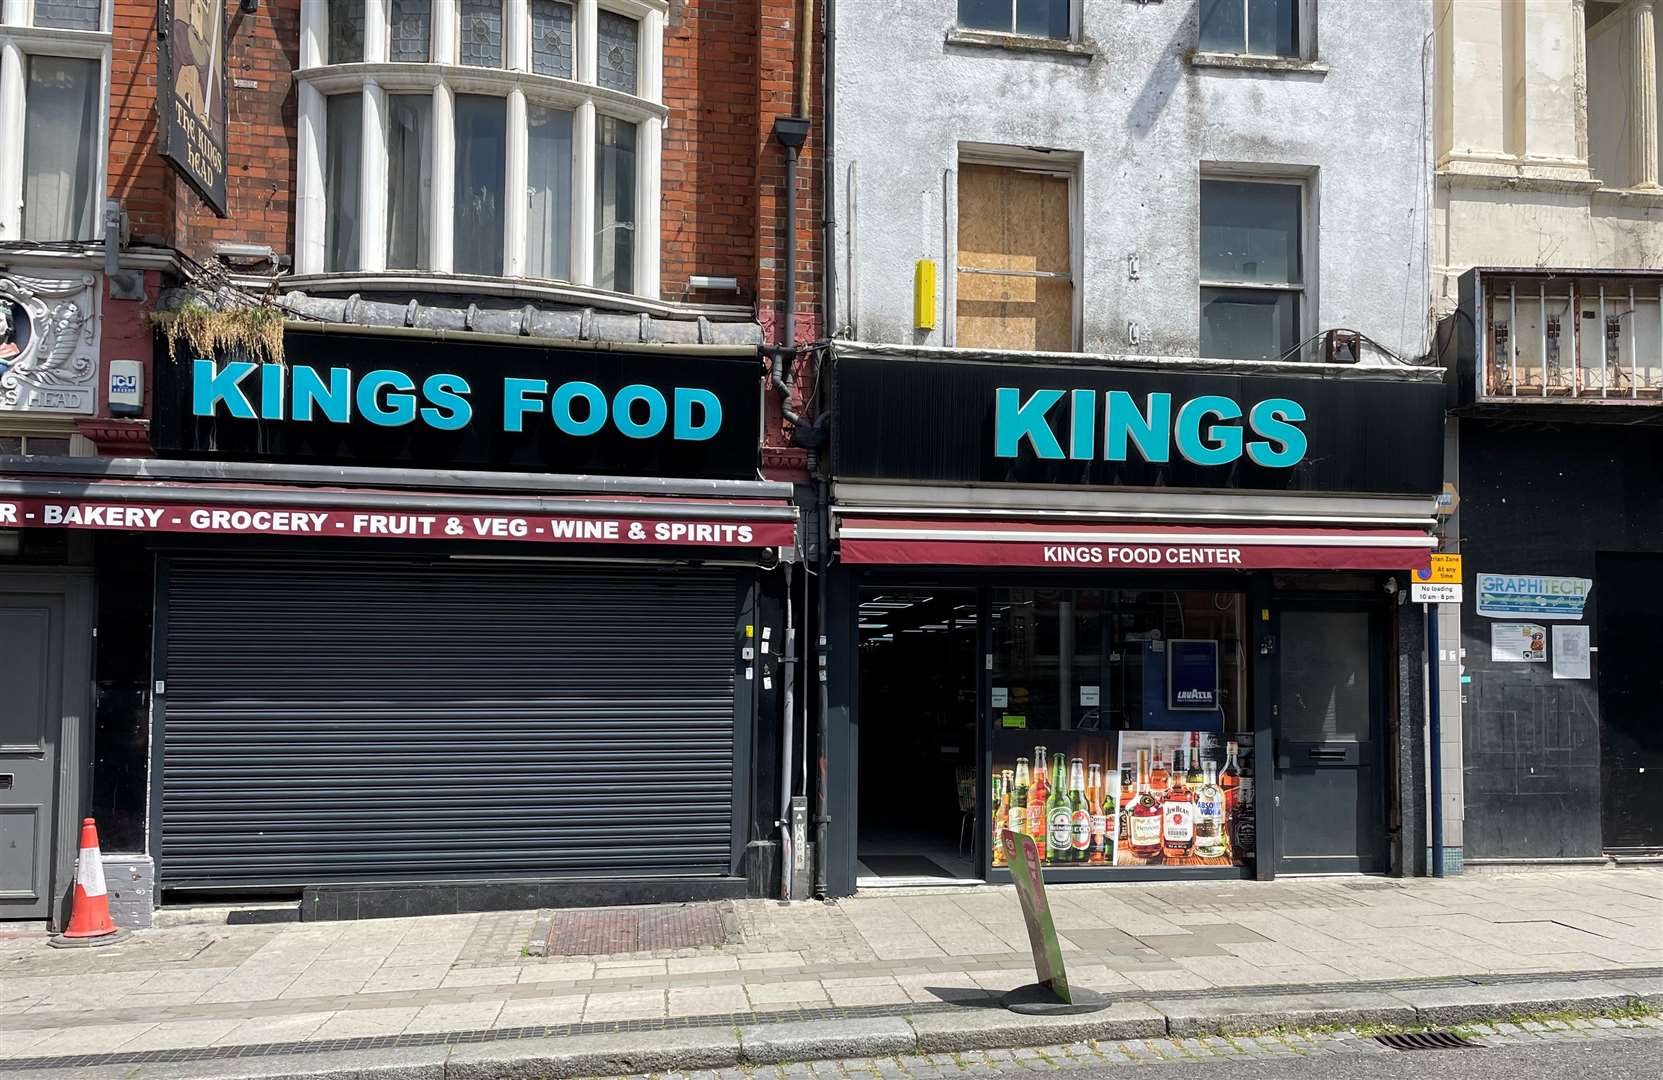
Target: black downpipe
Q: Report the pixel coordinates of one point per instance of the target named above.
(822, 740)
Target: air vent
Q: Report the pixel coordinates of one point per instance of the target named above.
(1426, 1040)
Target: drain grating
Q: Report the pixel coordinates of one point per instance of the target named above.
(628, 930)
(1426, 1040)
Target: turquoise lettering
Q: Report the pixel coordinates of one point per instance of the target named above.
(1280, 445)
(210, 387)
(623, 411)
(515, 404)
(561, 408)
(1082, 425)
(710, 404)
(448, 408)
(400, 408)
(1151, 430)
(1015, 420)
(271, 391)
(1218, 445)
(308, 389)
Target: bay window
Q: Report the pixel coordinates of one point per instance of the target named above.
(53, 58)
(503, 138)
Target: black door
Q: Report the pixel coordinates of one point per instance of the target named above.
(1628, 591)
(1332, 812)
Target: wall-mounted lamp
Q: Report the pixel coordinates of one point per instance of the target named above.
(250, 7)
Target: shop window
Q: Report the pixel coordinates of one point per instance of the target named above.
(35, 445)
(1252, 27)
(410, 31)
(1101, 698)
(506, 141)
(1015, 276)
(60, 148)
(1033, 18)
(1252, 268)
(68, 14)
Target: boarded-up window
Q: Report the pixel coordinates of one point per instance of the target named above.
(1015, 288)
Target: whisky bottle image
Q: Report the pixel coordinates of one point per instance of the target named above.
(1144, 818)
(1059, 815)
(1102, 803)
(1079, 810)
(1209, 814)
(1195, 775)
(1229, 779)
(1178, 819)
(1159, 778)
(1128, 792)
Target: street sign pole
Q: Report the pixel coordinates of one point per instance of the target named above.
(1435, 734)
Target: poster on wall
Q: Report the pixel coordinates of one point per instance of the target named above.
(1192, 674)
(1518, 643)
(191, 67)
(1060, 788)
(1572, 653)
(1502, 596)
(1186, 799)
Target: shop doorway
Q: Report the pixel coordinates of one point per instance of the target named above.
(1628, 591)
(1332, 814)
(918, 737)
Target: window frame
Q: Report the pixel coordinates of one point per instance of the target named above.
(1305, 43)
(1067, 163)
(1075, 29)
(20, 41)
(444, 76)
(1305, 289)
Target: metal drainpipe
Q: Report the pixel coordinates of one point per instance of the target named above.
(788, 751)
(822, 737)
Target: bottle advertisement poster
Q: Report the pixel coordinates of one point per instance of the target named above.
(1190, 801)
(1061, 789)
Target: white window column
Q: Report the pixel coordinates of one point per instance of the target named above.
(583, 147)
(446, 18)
(312, 141)
(15, 12)
(516, 37)
(1642, 93)
(12, 63)
(372, 181)
(314, 32)
(516, 183)
(650, 76)
(376, 14)
(444, 177)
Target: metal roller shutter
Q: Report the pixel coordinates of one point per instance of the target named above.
(333, 721)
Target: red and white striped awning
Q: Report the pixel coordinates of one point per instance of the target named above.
(1001, 541)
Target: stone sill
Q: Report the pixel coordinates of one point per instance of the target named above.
(1022, 43)
(1245, 62)
(1635, 196)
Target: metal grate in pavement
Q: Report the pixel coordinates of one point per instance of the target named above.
(1426, 1040)
(599, 931)
(962, 999)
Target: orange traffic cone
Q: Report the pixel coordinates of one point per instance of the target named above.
(89, 909)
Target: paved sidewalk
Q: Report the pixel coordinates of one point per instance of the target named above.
(412, 982)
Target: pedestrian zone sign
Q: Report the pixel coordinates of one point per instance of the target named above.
(1439, 583)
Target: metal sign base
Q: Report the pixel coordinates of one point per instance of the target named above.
(1038, 999)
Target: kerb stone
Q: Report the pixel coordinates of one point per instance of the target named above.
(1262, 1013)
(996, 1029)
(1457, 1004)
(609, 1054)
(823, 1040)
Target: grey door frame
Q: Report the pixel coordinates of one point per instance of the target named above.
(1374, 607)
(74, 734)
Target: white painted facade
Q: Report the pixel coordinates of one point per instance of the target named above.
(1140, 116)
(1546, 137)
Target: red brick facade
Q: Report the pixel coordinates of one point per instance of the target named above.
(730, 70)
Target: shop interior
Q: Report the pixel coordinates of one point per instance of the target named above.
(918, 770)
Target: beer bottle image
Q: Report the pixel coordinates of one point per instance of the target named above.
(1209, 814)
(1229, 778)
(1102, 803)
(1017, 810)
(1079, 810)
(1128, 792)
(1059, 815)
(1039, 791)
(1194, 776)
(1144, 818)
(1159, 778)
(999, 815)
(1178, 824)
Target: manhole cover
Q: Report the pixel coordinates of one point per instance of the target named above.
(1426, 1040)
(626, 930)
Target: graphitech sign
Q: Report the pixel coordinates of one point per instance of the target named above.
(1503, 596)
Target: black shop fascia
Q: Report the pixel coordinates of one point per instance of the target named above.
(428, 614)
(1122, 605)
